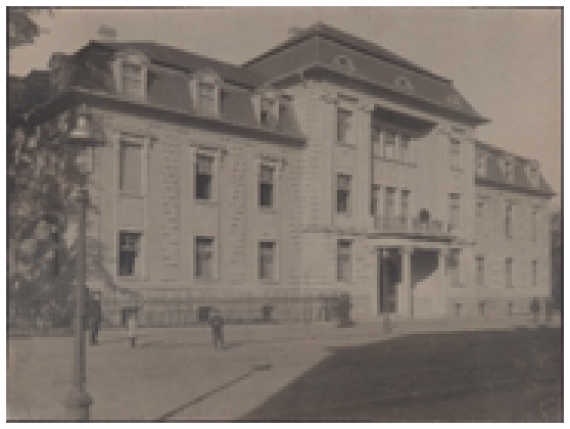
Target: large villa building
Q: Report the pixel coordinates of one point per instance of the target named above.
(325, 165)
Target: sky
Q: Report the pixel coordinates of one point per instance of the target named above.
(505, 62)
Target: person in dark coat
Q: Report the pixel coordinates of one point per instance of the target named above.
(95, 317)
(217, 323)
(535, 309)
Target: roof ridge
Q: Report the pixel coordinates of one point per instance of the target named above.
(323, 29)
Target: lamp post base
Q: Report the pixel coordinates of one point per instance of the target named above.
(77, 406)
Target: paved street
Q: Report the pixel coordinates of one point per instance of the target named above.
(175, 374)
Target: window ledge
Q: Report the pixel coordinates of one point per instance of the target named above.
(395, 161)
(456, 169)
(131, 194)
(210, 203)
(205, 281)
(346, 144)
(268, 282)
(268, 210)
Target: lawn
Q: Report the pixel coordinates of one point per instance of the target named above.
(500, 376)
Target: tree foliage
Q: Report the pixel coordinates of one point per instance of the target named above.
(22, 26)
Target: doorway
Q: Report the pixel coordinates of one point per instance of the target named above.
(388, 277)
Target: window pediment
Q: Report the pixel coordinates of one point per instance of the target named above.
(206, 89)
(267, 104)
(130, 69)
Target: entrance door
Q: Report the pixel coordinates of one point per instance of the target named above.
(387, 279)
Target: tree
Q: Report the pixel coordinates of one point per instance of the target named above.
(22, 28)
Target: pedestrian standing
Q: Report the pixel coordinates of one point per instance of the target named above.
(535, 309)
(217, 325)
(132, 322)
(95, 317)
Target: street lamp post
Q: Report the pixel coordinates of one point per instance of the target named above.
(78, 401)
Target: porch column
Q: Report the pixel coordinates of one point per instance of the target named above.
(439, 302)
(405, 294)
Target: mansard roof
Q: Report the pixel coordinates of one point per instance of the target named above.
(187, 61)
(320, 46)
(495, 175)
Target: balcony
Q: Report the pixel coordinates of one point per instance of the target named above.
(412, 227)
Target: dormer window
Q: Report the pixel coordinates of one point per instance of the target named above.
(509, 169)
(481, 166)
(207, 98)
(206, 88)
(132, 80)
(130, 68)
(268, 105)
(266, 112)
(532, 172)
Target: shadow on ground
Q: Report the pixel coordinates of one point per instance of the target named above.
(502, 376)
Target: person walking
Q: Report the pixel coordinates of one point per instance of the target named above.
(95, 318)
(132, 322)
(217, 325)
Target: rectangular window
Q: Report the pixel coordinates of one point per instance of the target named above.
(207, 98)
(405, 204)
(129, 253)
(455, 153)
(453, 268)
(204, 254)
(266, 175)
(454, 211)
(480, 217)
(204, 172)
(132, 80)
(480, 273)
(481, 166)
(343, 261)
(377, 148)
(376, 200)
(533, 217)
(343, 118)
(390, 203)
(508, 220)
(266, 112)
(390, 144)
(130, 167)
(405, 142)
(267, 259)
(509, 272)
(509, 170)
(343, 194)
(534, 273)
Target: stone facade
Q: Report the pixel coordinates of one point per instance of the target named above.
(413, 226)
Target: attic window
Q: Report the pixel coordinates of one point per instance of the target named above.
(205, 87)
(131, 74)
(403, 82)
(509, 169)
(266, 114)
(268, 106)
(532, 172)
(481, 166)
(344, 62)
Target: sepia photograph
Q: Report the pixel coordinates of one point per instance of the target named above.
(284, 214)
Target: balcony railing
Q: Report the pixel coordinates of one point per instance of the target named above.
(411, 226)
